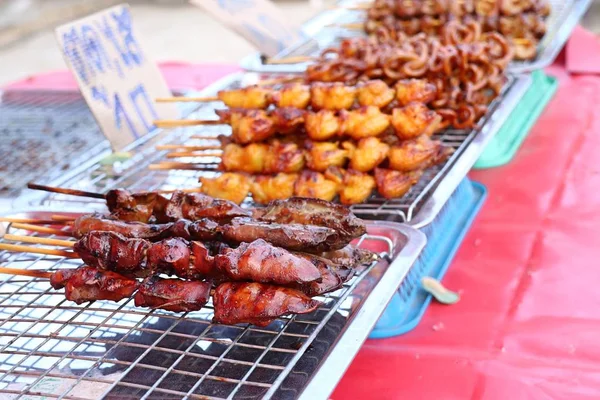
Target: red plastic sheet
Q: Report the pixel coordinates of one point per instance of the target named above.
(528, 322)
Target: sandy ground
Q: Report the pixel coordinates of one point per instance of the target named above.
(174, 33)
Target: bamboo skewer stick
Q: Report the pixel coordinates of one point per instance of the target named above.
(290, 60)
(360, 6)
(30, 221)
(186, 147)
(178, 154)
(355, 26)
(191, 190)
(73, 192)
(174, 123)
(183, 99)
(39, 240)
(204, 137)
(36, 273)
(38, 250)
(181, 166)
(41, 229)
(63, 218)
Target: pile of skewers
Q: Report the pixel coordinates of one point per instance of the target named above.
(521, 21)
(321, 140)
(258, 264)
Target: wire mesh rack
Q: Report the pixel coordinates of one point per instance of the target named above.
(44, 133)
(326, 30)
(56, 349)
(135, 175)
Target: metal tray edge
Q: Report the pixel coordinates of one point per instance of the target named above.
(459, 170)
(334, 366)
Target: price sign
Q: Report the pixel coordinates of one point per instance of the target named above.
(258, 21)
(115, 76)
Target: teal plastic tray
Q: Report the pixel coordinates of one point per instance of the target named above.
(444, 236)
(503, 147)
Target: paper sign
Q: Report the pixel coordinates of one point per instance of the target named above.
(258, 21)
(117, 79)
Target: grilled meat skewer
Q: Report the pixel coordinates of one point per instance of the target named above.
(289, 236)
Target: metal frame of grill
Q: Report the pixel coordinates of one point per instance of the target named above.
(54, 348)
(418, 207)
(319, 35)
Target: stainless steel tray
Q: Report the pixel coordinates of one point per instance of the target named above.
(418, 207)
(565, 15)
(54, 348)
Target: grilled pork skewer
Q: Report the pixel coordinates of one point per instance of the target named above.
(234, 302)
(257, 261)
(147, 206)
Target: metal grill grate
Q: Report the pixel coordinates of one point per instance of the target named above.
(54, 348)
(43, 134)
(134, 174)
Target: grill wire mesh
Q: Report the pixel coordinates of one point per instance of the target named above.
(134, 174)
(43, 133)
(54, 348)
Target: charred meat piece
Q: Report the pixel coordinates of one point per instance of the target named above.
(300, 210)
(114, 252)
(203, 229)
(258, 303)
(88, 284)
(127, 206)
(195, 206)
(172, 294)
(329, 281)
(289, 236)
(261, 262)
(177, 256)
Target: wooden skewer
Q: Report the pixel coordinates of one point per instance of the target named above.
(38, 250)
(64, 218)
(42, 229)
(174, 123)
(177, 154)
(276, 81)
(186, 147)
(183, 99)
(290, 60)
(39, 240)
(191, 190)
(204, 137)
(73, 192)
(29, 221)
(182, 166)
(355, 26)
(360, 6)
(36, 273)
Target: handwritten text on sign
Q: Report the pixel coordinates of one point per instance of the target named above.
(116, 78)
(258, 21)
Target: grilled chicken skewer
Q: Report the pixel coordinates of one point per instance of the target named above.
(255, 125)
(329, 96)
